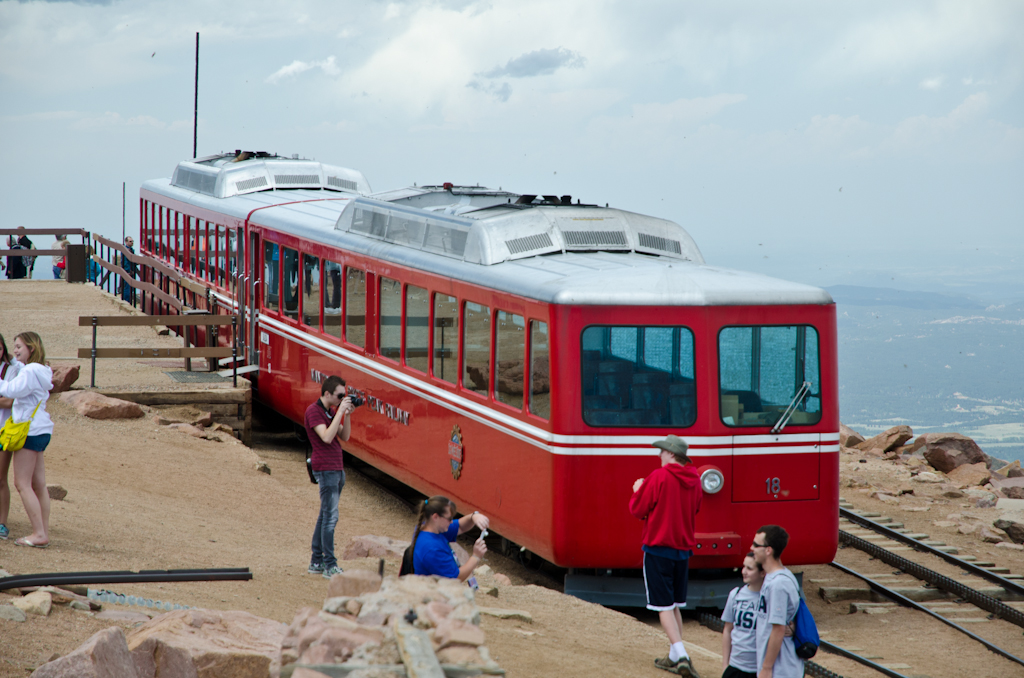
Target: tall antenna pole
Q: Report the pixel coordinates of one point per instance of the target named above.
(122, 211)
(195, 108)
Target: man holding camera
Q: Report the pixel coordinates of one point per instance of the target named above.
(326, 431)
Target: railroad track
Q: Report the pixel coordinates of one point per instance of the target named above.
(908, 553)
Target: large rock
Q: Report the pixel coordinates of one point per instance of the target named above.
(56, 492)
(37, 602)
(374, 546)
(206, 644)
(946, 451)
(98, 406)
(886, 441)
(848, 437)
(104, 655)
(1012, 488)
(1013, 525)
(928, 477)
(63, 377)
(970, 475)
(353, 583)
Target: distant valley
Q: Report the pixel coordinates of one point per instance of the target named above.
(934, 362)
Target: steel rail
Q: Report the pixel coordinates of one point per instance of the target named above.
(810, 668)
(971, 568)
(903, 600)
(940, 581)
(124, 577)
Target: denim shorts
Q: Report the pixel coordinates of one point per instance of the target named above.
(37, 443)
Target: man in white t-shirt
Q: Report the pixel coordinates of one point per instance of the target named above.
(776, 607)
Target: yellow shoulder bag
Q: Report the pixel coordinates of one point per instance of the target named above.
(12, 435)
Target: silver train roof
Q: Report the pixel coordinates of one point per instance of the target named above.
(540, 247)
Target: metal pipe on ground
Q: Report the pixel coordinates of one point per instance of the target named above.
(124, 577)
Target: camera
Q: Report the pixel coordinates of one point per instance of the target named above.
(356, 400)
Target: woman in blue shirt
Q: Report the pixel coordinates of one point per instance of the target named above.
(436, 528)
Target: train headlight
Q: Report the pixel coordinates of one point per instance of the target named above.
(712, 480)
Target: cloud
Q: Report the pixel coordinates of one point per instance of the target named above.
(932, 83)
(296, 67)
(500, 93)
(538, 62)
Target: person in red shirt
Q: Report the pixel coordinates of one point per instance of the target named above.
(326, 431)
(667, 501)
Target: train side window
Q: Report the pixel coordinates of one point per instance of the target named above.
(290, 290)
(355, 307)
(762, 369)
(446, 338)
(476, 340)
(332, 298)
(638, 376)
(509, 353)
(210, 252)
(540, 371)
(192, 225)
(310, 291)
(221, 253)
(232, 254)
(390, 331)
(417, 319)
(178, 225)
(270, 275)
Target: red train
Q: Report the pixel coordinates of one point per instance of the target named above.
(519, 353)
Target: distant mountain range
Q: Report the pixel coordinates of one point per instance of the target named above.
(883, 296)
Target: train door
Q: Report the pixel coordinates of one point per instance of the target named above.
(250, 310)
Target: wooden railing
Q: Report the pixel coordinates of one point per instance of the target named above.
(165, 352)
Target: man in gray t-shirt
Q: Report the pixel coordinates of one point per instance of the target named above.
(776, 607)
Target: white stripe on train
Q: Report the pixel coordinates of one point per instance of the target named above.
(701, 446)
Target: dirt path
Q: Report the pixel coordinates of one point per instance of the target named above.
(141, 496)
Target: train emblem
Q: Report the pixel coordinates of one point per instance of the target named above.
(455, 451)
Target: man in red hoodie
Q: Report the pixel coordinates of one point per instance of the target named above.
(667, 501)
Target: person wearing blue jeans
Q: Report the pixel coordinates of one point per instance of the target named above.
(326, 431)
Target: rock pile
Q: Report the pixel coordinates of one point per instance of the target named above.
(396, 626)
(39, 601)
(956, 467)
(412, 626)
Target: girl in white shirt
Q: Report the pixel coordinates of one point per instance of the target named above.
(30, 391)
(9, 368)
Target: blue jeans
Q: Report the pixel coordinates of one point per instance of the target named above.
(331, 484)
(56, 272)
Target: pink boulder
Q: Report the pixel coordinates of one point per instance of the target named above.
(63, 377)
(104, 655)
(886, 441)
(374, 546)
(98, 406)
(848, 437)
(946, 451)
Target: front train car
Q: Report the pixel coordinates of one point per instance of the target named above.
(520, 353)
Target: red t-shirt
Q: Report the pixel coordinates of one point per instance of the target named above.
(326, 456)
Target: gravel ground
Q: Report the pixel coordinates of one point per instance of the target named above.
(141, 496)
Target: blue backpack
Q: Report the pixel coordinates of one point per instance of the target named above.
(805, 635)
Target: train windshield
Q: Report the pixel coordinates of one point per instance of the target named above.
(762, 369)
(638, 376)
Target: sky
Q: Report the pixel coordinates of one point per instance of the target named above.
(868, 142)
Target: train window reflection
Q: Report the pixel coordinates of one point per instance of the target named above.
(310, 291)
(332, 299)
(390, 318)
(417, 317)
(270, 273)
(638, 376)
(355, 307)
(291, 283)
(761, 370)
(476, 340)
(509, 353)
(446, 338)
(540, 386)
